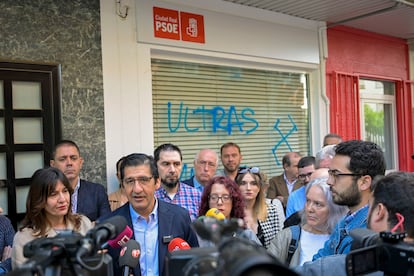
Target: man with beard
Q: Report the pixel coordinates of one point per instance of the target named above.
(230, 158)
(353, 168)
(168, 159)
(391, 200)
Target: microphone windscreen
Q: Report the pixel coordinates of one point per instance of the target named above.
(115, 225)
(178, 244)
(215, 213)
(129, 255)
(121, 239)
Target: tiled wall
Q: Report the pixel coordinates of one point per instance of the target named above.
(67, 33)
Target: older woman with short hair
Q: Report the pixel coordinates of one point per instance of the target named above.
(319, 217)
(48, 211)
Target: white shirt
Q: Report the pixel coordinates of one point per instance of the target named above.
(310, 244)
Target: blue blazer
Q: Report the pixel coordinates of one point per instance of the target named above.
(189, 182)
(173, 221)
(92, 200)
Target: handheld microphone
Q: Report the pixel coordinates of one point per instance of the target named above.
(215, 213)
(178, 244)
(119, 240)
(104, 231)
(129, 256)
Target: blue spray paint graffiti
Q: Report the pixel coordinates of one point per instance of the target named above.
(283, 137)
(214, 119)
(217, 119)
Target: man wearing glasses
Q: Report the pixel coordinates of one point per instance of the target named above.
(297, 198)
(353, 168)
(154, 222)
(205, 166)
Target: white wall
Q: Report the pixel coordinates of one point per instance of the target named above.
(234, 34)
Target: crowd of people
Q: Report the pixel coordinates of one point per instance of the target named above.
(302, 218)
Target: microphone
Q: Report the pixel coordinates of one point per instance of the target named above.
(108, 229)
(215, 213)
(129, 257)
(120, 240)
(177, 244)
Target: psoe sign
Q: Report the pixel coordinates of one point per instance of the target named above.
(173, 24)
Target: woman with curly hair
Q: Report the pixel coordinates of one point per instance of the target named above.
(48, 211)
(222, 193)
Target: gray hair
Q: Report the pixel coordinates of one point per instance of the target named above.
(326, 153)
(336, 212)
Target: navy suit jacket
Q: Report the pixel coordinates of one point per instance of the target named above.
(92, 200)
(189, 181)
(173, 221)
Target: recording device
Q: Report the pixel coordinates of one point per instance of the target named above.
(178, 244)
(70, 253)
(129, 256)
(228, 256)
(383, 251)
(215, 213)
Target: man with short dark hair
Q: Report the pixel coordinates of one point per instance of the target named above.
(154, 222)
(392, 195)
(332, 139)
(168, 159)
(355, 164)
(297, 198)
(88, 198)
(231, 158)
(282, 185)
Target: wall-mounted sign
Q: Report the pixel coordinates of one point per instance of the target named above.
(173, 24)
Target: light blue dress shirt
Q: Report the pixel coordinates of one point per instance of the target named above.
(146, 234)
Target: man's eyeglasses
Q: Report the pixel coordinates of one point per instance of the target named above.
(143, 180)
(335, 174)
(216, 198)
(304, 176)
(204, 163)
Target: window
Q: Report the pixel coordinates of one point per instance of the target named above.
(199, 106)
(378, 117)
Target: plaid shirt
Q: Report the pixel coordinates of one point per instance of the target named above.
(187, 197)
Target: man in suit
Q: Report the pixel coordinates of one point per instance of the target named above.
(154, 222)
(205, 166)
(88, 198)
(281, 186)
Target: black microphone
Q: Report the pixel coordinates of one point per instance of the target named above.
(108, 229)
(104, 231)
(129, 257)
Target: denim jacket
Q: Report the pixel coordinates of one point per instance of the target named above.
(340, 241)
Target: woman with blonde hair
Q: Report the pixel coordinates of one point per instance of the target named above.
(264, 219)
(48, 211)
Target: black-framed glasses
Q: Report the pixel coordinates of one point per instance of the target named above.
(216, 198)
(335, 174)
(143, 180)
(304, 176)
